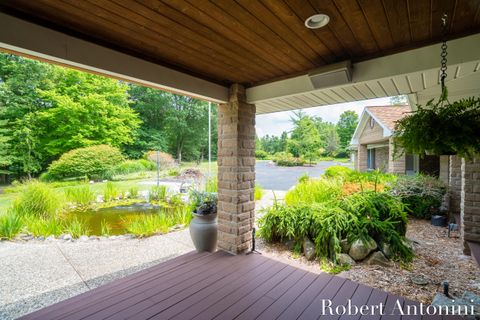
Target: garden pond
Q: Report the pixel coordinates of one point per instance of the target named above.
(114, 217)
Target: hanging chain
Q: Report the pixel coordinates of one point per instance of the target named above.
(443, 68)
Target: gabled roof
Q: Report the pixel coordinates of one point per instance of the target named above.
(385, 116)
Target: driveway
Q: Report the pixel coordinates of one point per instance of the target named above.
(271, 177)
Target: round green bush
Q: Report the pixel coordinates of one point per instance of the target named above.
(260, 154)
(95, 162)
(337, 172)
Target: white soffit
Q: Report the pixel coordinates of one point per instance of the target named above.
(407, 73)
(25, 38)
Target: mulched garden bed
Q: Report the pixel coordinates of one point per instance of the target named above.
(437, 258)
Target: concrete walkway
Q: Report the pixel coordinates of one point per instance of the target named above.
(36, 274)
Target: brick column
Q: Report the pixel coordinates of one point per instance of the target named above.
(470, 202)
(236, 172)
(362, 164)
(396, 163)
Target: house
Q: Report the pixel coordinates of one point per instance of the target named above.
(372, 144)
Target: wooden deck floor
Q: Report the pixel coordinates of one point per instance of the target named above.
(220, 286)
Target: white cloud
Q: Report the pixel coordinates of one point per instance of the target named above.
(276, 123)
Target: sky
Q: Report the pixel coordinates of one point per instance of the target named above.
(276, 123)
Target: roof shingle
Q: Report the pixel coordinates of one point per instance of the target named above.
(387, 115)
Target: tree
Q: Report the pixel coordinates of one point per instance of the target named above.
(305, 140)
(85, 110)
(5, 157)
(346, 127)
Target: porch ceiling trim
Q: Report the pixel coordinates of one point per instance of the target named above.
(407, 72)
(28, 39)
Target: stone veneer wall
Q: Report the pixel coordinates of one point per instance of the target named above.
(361, 158)
(396, 163)
(470, 204)
(381, 159)
(236, 172)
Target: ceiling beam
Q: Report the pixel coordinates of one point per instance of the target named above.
(31, 40)
(460, 51)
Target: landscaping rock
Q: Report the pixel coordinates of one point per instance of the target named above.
(129, 236)
(83, 238)
(308, 249)
(345, 259)
(26, 237)
(360, 250)
(420, 280)
(66, 237)
(387, 250)
(93, 238)
(377, 258)
(290, 243)
(50, 238)
(345, 245)
(41, 238)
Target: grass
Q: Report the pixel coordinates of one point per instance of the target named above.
(43, 227)
(110, 192)
(38, 199)
(106, 229)
(10, 225)
(76, 228)
(314, 191)
(258, 193)
(81, 196)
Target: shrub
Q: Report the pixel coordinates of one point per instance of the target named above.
(10, 225)
(285, 159)
(173, 172)
(95, 162)
(81, 196)
(421, 194)
(261, 155)
(132, 166)
(314, 191)
(110, 192)
(39, 200)
(362, 215)
(166, 160)
(338, 172)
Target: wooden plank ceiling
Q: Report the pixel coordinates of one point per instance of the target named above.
(251, 41)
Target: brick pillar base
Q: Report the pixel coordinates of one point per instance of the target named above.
(470, 202)
(236, 172)
(362, 164)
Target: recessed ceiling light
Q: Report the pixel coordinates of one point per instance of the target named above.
(317, 21)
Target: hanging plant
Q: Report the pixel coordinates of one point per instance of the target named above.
(441, 128)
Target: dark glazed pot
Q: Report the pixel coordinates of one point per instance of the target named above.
(203, 230)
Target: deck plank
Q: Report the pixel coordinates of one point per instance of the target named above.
(222, 286)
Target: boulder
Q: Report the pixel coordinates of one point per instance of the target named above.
(83, 238)
(308, 249)
(345, 259)
(360, 250)
(377, 258)
(387, 250)
(290, 243)
(345, 245)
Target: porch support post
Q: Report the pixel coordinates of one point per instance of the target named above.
(236, 172)
(470, 202)
(362, 158)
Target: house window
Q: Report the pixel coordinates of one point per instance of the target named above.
(411, 164)
(371, 159)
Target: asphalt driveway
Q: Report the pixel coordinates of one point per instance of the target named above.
(271, 177)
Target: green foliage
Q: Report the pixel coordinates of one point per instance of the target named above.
(261, 155)
(37, 199)
(133, 191)
(110, 192)
(272, 144)
(81, 196)
(132, 166)
(97, 109)
(161, 222)
(338, 172)
(158, 193)
(43, 227)
(346, 127)
(421, 194)
(258, 193)
(211, 185)
(76, 228)
(105, 228)
(441, 128)
(203, 202)
(305, 139)
(173, 172)
(10, 225)
(285, 159)
(95, 162)
(314, 191)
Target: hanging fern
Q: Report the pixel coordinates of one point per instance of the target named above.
(441, 128)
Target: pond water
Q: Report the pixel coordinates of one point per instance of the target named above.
(113, 216)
